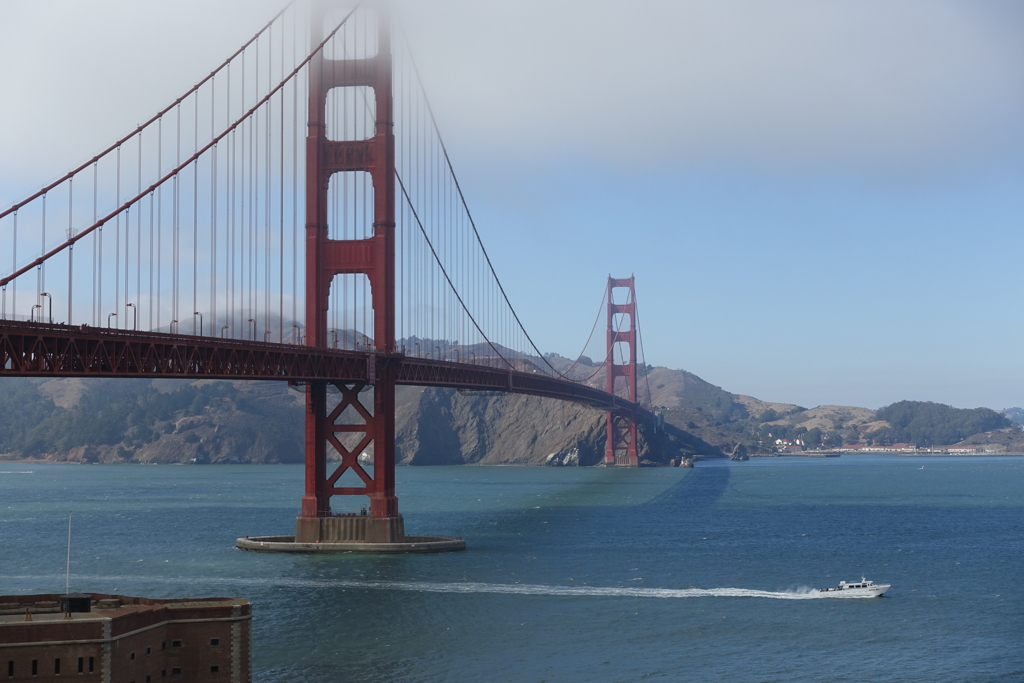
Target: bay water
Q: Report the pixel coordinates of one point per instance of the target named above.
(570, 574)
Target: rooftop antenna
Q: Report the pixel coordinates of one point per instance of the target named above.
(67, 573)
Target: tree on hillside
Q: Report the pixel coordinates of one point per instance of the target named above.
(832, 440)
(929, 424)
(812, 439)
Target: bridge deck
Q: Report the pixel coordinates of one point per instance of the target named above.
(45, 350)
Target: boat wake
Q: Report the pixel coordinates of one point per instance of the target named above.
(588, 591)
(477, 588)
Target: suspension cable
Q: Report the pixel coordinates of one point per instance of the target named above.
(647, 381)
(173, 173)
(445, 272)
(152, 120)
(469, 215)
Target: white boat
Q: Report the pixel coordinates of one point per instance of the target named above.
(862, 589)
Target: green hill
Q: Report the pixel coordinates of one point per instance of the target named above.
(930, 424)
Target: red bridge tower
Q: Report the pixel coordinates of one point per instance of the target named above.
(374, 257)
(621, 446)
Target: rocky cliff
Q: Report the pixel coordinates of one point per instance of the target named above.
(445, 427)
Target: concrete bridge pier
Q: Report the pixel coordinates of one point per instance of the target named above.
(350, 529)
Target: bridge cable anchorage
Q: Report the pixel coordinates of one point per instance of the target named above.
(176, 170)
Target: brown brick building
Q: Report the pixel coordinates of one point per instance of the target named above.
(124, 640)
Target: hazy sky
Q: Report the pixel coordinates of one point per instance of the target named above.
(823, 202)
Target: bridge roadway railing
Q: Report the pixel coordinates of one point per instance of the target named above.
(29, 349)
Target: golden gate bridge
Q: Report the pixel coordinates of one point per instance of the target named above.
(293, 216)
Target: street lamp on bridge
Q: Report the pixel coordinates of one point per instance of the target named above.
(135, 316)
(50, 299)
(194, 314)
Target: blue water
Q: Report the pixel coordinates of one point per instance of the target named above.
(572, 574)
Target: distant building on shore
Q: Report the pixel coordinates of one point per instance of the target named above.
(864, 448)
(104, 638)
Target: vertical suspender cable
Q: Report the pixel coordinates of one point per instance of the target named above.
(117, 244)
(212, 305)
(71, 251)
(267, 250)
(176, 226)
(41, 271)
(239, 269)
(295, 196)
(138, 237)
(280, 224)
(159, 222)
(195, 215)
(96, 246)
(152, 255)
(252, 168)
(232, 199)
(14, 267)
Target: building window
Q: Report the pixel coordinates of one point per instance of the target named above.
(81, 664)
(149, 679)
(214, 642)
(35, 667)
(215, 669)
(175, 670)
(149, 650)
(56, 667)
(131, 656)
(90, 664)
(10, 668)
(163, 673)
(175, 643)
(163, 644)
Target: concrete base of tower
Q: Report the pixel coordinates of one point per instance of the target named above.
(349, 529)
(350, 534)
(411, 544)
(622, 461)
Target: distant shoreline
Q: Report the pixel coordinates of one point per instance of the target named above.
(957, 455)
(815, 454)
(922, 454)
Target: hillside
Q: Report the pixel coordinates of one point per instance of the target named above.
(929, 424)
(120, 420)
(176, 421)
(730, 421)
